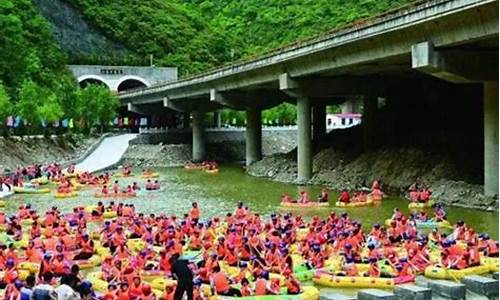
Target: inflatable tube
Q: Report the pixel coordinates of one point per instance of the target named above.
(65, 195)
(92, 262)
(417, 205)
(121, 175)
(40, 181)
(161, 283)
(98, 284)
(429, 224)
(214, 171)
(113, 195)
(109, 214)
(20, 190)
(193, 167)
(304, 205)
(354, 204)
(326, 279)
(2, 203)
(491, 262)
(307, 293)
(442, 273)
(152, 175)
(31, 267)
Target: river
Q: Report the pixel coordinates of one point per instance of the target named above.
(219, 193)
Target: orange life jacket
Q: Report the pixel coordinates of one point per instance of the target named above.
(260, 287)
(221, 283)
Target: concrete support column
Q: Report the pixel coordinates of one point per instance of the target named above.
(319, 121)
(186, 119)
(368, 121)
(304, 159)
(198, 136)
(253, 136)
(491, 138)
(217, 119)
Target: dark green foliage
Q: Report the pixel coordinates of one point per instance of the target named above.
(34, 81)
(196, 35)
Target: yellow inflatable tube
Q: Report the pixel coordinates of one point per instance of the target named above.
(355, 282)
(450, 274)
(491, 262)
(65, 195)
(417, 205)
(354, 204)
(308, 293)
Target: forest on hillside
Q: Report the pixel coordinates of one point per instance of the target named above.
(197, 35)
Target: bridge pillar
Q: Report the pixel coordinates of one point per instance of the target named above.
(319, 121)
(186, 119)
(369, 121)
(304, 158)
(217, 119)
(253, 135)
(491, 138)
(198, 136)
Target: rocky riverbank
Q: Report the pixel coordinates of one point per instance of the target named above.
(21, 151)
(169, 150)
(398, 168)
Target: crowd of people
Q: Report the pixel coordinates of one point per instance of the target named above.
(242, 247)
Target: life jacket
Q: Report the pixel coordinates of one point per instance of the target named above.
(374, 271)
(240, 213)
(169, 296)
(10, 275)
(462, 263)
(221, 283)
(165, 263)
(491, 247)
(194, 213)
(195, 243)
(293, 286)
(246, 291)
(260, 287)
(135, 290)
(123, 295)
(45, 266)
(88, 247)
(474, 256)
(58, 266)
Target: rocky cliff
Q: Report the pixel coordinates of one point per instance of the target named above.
(74, 34)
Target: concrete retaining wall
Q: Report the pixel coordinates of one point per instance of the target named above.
(227, 145)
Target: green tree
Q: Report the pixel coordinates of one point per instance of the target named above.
(29, 101)
(96, 105)
(5, 105)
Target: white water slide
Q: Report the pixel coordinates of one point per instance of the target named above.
(108, 153)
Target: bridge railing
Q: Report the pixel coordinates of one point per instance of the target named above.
(153, 130)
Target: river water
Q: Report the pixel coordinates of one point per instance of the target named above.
(219, 193)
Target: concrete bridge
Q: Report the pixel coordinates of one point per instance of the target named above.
(431, 48)
(122, 78)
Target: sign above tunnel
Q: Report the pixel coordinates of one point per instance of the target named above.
(120, 78)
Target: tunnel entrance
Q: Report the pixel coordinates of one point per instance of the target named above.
(130, 84)
(92, 81)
